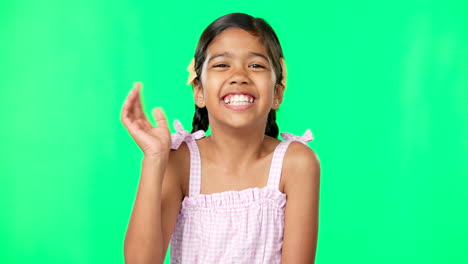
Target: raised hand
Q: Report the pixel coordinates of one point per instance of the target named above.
(153, 141)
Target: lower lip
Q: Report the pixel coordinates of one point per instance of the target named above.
(238, 107)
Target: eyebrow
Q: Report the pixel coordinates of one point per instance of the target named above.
(227, 54)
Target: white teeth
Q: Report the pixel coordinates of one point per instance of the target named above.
(238, 100)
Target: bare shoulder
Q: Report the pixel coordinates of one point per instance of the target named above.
(180, 154)
(299, 153)
(300, 165)
(179, 165)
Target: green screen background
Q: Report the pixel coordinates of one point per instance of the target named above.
(382, 86)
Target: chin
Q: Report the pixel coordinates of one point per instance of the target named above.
(237, 121)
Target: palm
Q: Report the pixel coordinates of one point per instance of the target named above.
(152, 140)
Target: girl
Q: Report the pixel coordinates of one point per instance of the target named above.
(239, 195)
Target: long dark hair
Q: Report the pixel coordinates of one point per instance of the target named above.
(258, 27)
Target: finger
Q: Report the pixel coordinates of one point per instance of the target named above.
(126, 119)
(127, 107)
(133, 98)
(159, 116)
(128, 111)
(137, 85)
(145, 124)
(138, 104)
(127, 122)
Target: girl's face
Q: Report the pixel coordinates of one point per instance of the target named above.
(237, 81)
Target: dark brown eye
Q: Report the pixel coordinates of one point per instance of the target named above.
(220, 65)
(257, 66)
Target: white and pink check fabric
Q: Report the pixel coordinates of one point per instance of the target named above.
(233, 226)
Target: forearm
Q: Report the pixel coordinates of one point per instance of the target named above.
(144, 238)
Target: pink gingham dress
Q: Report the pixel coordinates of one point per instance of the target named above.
(233, 226)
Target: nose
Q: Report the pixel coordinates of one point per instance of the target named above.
(239, 76)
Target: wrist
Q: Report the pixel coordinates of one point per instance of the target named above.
(154, 166)
(161, 158)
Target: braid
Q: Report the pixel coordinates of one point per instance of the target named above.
(272, 129)
(200, 119)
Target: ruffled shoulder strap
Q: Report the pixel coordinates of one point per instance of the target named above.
(278, 156)
(182, 135)
(307, 137)
(177, 138)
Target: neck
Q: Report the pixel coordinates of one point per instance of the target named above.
(236, 147)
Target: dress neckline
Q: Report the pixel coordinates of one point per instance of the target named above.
(268, 184)
(237, 191)
(274, 173)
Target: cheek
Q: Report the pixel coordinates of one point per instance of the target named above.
(213, 77)
(267, 87)
(269, 80)
(211, 90)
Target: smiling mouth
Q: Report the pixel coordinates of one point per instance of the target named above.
(238, 99)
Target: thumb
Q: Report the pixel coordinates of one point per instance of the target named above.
(160, 117)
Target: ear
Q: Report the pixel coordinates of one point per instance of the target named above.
(198, 94)
(278, 97)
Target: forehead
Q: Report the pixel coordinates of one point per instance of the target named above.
(236, 41)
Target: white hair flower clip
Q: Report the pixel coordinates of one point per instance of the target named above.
(283, 67)
(192, 72)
